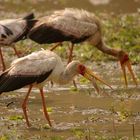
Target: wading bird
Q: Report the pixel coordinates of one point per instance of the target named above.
(76, 26)
(38, 68)
(12, 31)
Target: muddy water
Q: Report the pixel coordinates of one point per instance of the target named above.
(74, 115)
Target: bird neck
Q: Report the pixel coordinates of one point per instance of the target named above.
(67, 75)
(105, 49)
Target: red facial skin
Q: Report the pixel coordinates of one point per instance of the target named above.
(124, 59)
(81, 69)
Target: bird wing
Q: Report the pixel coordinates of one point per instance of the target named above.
(60, 28)
(11, 30)
(34, 64)
(70, 26)
(34, 68)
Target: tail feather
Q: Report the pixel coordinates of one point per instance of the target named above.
(13, 82)
(31, 23)
(29, 16)
(3, 79)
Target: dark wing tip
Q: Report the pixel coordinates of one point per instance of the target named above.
(7, 30)
(29, 16)
(13, 82)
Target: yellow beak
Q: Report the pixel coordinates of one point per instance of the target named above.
(128, 65)
(91, 76)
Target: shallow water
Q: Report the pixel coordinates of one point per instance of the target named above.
(73, 113)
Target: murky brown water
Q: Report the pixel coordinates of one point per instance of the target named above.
(113, 113)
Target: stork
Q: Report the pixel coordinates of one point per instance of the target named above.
(38, 68)
(76, 26)
(12, 31)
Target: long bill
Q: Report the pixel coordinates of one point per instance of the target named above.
(90, 76)
(128, 65)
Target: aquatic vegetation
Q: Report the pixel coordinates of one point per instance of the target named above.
(4, 137)
(119, 31)
(46, 126)
(78, 133)
(49, 109)
(123, 32)
(74, 89)
(16, 117)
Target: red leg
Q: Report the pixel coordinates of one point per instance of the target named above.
(55, 46)
(44, 106)
(70, 59)
(2, 60)
(70, 54)
(16, 52)
(124, 73)
(24, 105)
(74, 83)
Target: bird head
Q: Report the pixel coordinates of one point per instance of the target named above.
(89, 74)
(125, 62)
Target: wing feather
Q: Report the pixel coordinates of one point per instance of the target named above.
(36, 63)
(68, 25)
(28, 70)
(65, 25)
(14, 30)
(13, 82)
(72, 26)
(62, 29)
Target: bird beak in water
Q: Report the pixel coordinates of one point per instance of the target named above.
(128, 65)
(91, 76)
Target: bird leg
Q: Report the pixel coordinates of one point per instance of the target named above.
(75, 85)
(24, 105)
(70, 59)
(44, 106)
(55, 46)
(16, 52)
(70, 54)
(2, 60)
(124, 73)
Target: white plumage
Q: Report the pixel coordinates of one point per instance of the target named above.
(76, 26)
(38, 63)
(38, 68)
(72, 23)
(16, 27)
(14, 30)
(35, 63)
